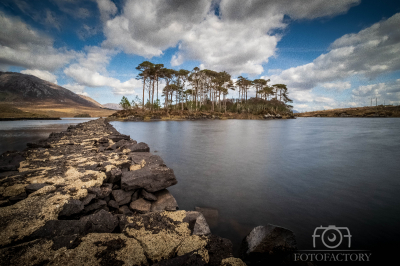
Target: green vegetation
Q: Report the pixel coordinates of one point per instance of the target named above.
(208, 92)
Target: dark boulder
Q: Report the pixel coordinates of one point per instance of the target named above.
(165, 201)
(188, 259)
(72, 207)
(122, 197)
(140, 205)
(102, 191)
(125, 210)
(148, 195)
(86, 200)
(139, 147)
(218, 249)
(34, 187)
(101, 222)
(152, 179)
(98, 204)
(197, 223)
(113, 204)
(119, 137)
(268, 244)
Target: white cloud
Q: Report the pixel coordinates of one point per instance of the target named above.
(90, 78)
(370, 52)
(241, 39)
(230, 46)
(43, 74)
(147, 28)
(20, 45)
(78, 89)
(388, 92)
(107, 8)
(338, 86)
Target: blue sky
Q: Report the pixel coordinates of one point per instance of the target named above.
(330, 54)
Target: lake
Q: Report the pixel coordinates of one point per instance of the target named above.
(298, 174)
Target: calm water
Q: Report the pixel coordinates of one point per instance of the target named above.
(298, 174)
(15, 134)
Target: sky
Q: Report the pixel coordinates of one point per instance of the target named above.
(330, 54)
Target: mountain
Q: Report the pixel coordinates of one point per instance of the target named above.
(32, 94)
(114, 106)
(91, 100)
(20, 88)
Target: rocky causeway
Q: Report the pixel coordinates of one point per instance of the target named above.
(92, 196)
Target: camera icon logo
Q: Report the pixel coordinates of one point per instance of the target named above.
(331, 236)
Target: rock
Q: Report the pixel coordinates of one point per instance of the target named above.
(188, 259)
(72, 207)
(125, 210)
(102, 191)
(218, 249)
(278, 116)
(210, 214)
(4, 203)
(136, 195)
(140, 205)
(197, 223)
(34, 187)
(232, 262)
(115, 175)
(18, 197)
(165, 201)
(101, 222)
(148, 195)
(139, 147)
(152, 179)
(268, 244)
(86, 200)
(117, 138)
(113, 204)
(96, 205)
(122, 197)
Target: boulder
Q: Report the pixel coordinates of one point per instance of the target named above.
(165, 201)
(139, 147)
(115, 175)
(267, 244)
(122, 197)
(189, 259)
(116, 138)
(197, 223)
(148, 195)
(152, 179)
(72, 207)
(96, 205)
(125, 210)
(113, 204)
(86, 200)
(18, 197)
(34, 187)
(140, 205)
(218, 249)
(101, 222)
(102, 191)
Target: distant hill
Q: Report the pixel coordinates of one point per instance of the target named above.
(32, 94)
(20, 88)
(114, 106)
(91, 100)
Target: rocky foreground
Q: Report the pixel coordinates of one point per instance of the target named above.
(92, 196)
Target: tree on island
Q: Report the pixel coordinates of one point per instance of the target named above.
(205, 90)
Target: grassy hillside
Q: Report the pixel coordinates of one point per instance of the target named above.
(368, 111)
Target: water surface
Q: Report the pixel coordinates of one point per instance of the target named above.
(15, 134)
(298, 174)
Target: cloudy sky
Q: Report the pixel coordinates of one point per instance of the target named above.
(329, 53)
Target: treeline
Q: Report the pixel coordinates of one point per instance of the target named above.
(205, 90)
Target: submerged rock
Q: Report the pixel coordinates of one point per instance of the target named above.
(268, 244)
